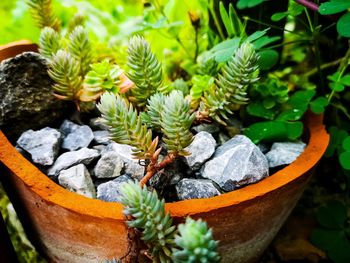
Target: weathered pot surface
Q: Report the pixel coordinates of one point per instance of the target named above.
(67, 227)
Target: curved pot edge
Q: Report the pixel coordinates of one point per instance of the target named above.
(53, 193)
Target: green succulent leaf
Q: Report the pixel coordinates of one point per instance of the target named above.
(81, 49)
(337, 138)
(154, 107)
(195, 243)
(125, 125)
(65, 71)
(149, 216)
(333, 215)
(145, 70)
(232, 84)
(102, 77)
(176, 121)
(41, 11)
(49, 42)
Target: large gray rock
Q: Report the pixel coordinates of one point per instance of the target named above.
(236, 163)
(77, 179)
(201, 149)
(109, 166)
(69, 159)
(26, 100)
(196, 188)
(75, 136)
(283, 153)
(131, 165)
(111, 191)
(42, 145)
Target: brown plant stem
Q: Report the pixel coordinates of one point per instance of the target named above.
(154, 167)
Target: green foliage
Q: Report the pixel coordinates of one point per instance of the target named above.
(233, 25)
(332, 235)
(149, 215)
(49, 42)
(242, 4)
(267, 98)
(192, 242)
(223, 51)
(77, 20)
(125, 125)
(65, 71)
(145, 70)
(334, 7)
(181, 85)
(319, 105)
(80, 48)
(102, 77)
(41, 11)
(338, 82)
(176, 121)
(272, 131)
(296, 106)
(195, 243)
(200, 84)
(294, 10)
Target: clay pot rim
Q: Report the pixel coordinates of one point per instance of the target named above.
(53, 193)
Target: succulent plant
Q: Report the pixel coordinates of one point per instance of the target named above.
(145, 70)
(190, 242)
(42, 13)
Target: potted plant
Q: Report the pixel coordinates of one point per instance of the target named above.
(70, 227)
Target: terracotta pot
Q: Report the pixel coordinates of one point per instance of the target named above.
(66, 227)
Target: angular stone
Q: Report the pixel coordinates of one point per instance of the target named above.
(111, 191)
(201, 149)
(77, 179)
(109, 166)
(196, 188)
(131, 165)
(236, 163)
(69, 159)
(26, 100)
(42, 145)
(76, 136)
(283, 153)
(211, 128)
(101, 137)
